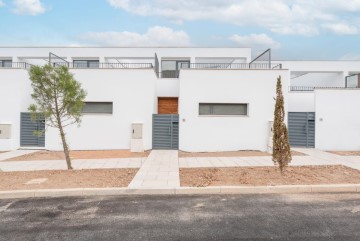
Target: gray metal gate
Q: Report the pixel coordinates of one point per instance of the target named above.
(165, 132)
(27, 128)
(301, 129)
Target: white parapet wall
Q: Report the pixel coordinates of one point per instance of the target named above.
(257, 88)
(337, 119)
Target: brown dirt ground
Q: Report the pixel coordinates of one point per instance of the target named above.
(96, 178)
(346, 153)
(265, 176)
(59, 155)
(230, 154)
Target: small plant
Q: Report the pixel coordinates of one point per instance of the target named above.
(58, 97)
(281, 148)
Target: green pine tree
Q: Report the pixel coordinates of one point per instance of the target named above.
(281, 148)
(58, 97)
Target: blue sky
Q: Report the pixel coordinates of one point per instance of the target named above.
(294, 29)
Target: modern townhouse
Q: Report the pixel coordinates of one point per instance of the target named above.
(191, 99)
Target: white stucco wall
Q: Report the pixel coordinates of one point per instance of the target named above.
(227, 133)
(13, 87)
(337, 119)
(319, 80)
(301, 101)
(321, 66)
(167, 87)
(132, 93)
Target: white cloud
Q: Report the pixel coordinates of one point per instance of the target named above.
(300, 17)
(28, 7)
(155, 36)
(341, 28)
(255, 41)
(2, 3)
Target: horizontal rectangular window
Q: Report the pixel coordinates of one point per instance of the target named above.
(223, 109)
(6, 63)
(86, 63)
(98, 108)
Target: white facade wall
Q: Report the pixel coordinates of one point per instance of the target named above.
(322, 66)
(13, 99)
(337, 119)
(167, 87)
(319, 80)
(301, 101)
(227, 133)
(132, 93)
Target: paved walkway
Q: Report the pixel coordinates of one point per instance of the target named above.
(315, 157)
(77, 164)
(162, 167)
(160, 170)
(12, 154)
(349, 161)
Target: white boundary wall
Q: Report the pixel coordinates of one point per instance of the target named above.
(228, 133)
(132, 93)
(337, 119)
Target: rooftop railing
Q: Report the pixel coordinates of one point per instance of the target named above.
(312, 88)
(106, 65)
(15, 65)
(232, 66)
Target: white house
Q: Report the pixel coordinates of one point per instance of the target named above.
(192, 99)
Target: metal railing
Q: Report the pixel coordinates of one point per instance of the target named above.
(106, 65)
(233, 66)
(16, 65)
(312, 88)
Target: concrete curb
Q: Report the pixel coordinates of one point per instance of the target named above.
(290, 189)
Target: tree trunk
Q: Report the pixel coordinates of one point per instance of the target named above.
(66, 148)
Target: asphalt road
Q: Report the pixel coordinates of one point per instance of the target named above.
(206, 217)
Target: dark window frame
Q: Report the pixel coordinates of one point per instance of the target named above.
(212, 113)
(87, 65)
(87, 112)
(3, 61)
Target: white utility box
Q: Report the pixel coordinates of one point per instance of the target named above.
(5, 131)
(137, 129)
(137, 144)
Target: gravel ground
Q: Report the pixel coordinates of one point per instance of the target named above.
(92, 178)
(239, 176)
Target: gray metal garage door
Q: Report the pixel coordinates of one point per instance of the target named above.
(301, 129)
(27, 128)
(166, 132)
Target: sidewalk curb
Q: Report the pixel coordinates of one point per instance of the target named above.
(283, 189)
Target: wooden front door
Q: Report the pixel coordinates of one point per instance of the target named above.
(168, 105)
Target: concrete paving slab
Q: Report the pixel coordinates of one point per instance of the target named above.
(161, 169)
(11, 154)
